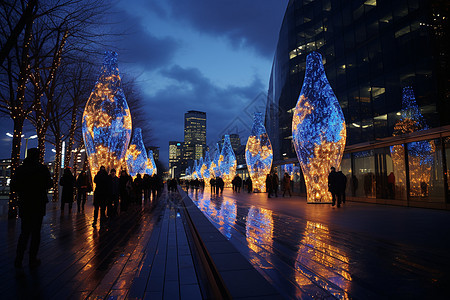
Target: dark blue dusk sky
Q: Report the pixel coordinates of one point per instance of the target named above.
(212, 56)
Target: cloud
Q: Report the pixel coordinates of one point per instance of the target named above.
(246, 23)
(137, 45)
(191, 90)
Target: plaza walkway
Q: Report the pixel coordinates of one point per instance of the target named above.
(243, 246)
(142, 254)
(361, 251)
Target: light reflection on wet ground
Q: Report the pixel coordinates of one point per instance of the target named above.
(306, 258)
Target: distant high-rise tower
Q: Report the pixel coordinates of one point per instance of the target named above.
(175, 158)
(194, 134)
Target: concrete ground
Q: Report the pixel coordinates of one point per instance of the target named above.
(361, 251)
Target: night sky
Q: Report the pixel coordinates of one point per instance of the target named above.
(212, 56)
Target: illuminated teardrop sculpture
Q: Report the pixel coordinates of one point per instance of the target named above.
(199, 168)
(194, 170)
(106, 122)
(214, 168)
(136, 156)
(420, 153)
(205, 172)
(227, 162)
(258, 153)
(318, 130)
(150, 168)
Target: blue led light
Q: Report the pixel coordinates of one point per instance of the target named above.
(227, 161)
(258, 153)
(214, 168)
(318, 130)
(151, 166)
(106, 122)
(136, 156)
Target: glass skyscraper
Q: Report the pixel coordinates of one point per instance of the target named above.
(371, 50)
(194, 134)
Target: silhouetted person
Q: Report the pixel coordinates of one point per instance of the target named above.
(138, 187)
(333, 186)
(31, 182)
(102, 194)
(212, 182)
(249, 184)
(67, 182)
(341, 185)
(146, 187)
(287, 184)
(83, 187)
(275, 183)
(238, 183)
(115, 193)
(124, 195)
(221, 184)
(269, 185)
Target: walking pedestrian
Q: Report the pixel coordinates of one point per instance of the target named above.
(138, 187)
(124, 195)
(67, 182)
(275, 183)
(83, 187)
(101, 195)
(269, 185)
(333, 186)
(238, 183)
(115, 192)
(31, 182)
(212, 182)
(287, 184)
(249, 184)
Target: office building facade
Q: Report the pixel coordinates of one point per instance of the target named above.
(175, 158)
(194, 135)
(371, 50)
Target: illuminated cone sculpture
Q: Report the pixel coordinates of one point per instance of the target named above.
(206, 174)
(150, 168)
(194, 170)
(227, 162)
(420, 154)
(318, 130)
(136, 156)
(106, 122)
(258, 154)
(214, 168)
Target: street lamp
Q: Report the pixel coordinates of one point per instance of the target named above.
(26, 140)
(26, 143)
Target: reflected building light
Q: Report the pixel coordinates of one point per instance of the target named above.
(214, 168)
(320, 263)
(136, 156)
(227, 162)
(227, 216)
(106, 121)
(420, 154)
(259, 235)
(150, 167)
(258, 154)
(318, 130)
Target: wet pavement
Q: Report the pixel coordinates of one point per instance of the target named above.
(359, 251)
(142, 254)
